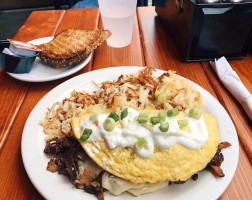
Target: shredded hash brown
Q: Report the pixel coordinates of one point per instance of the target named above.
(137, 91)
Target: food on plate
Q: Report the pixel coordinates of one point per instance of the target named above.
(190, 148)
(71, 46)
(138, 134)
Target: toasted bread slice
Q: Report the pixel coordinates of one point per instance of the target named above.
(71, 46)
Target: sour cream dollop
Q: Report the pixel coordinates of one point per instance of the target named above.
(131, 131)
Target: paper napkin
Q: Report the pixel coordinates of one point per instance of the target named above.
(233, 83)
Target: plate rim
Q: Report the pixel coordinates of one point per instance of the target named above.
(134, 69)
(64, 74)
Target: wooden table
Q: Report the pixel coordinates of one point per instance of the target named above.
(152, 46)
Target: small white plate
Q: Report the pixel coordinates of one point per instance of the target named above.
(42, 72)
(54, 186)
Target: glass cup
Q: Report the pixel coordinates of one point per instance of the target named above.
(118, 17)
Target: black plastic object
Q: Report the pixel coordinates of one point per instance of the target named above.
(204, 31)
(17, 65)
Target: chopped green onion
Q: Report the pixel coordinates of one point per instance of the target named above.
(124, 113)
(154, 120)
(95, 116)
(164, 126)
(195, 113)
(114, 116)
(109, 124)
(161, 97)
(162, 115)
(141, 142)
(86, 134)
(182, 123)
(172, 112)
(143, 115)
(142, 119)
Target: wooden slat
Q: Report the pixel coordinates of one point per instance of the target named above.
(10, 154)
(132, 55)
(15, 182)
(80, 19)
(236, 112)
(161, 52)
(12, 95)
(12, 91)
(40, 24)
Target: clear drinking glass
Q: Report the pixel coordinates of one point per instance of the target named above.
(118, 17)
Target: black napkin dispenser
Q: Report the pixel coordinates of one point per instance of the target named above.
(208, 29)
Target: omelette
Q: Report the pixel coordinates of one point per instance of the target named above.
(173, 154)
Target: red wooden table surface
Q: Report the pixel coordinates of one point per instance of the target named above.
(152, 46)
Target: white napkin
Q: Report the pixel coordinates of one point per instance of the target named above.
(233, 83)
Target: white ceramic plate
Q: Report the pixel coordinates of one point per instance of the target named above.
(41, 72)
(53, 186)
